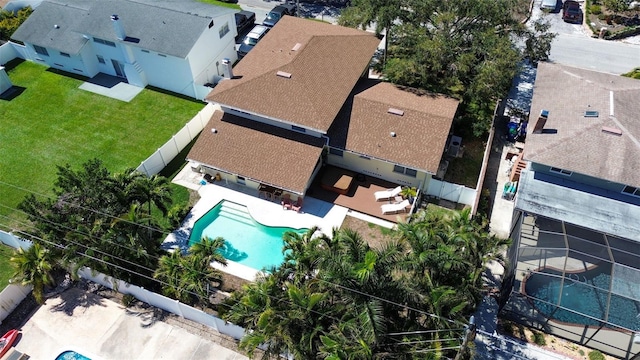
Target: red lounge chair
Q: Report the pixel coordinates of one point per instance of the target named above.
(298, 205)
(286, 202)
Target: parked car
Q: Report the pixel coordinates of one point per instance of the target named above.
(252, 38)
(245, 20)
(549, 5)
(278, 12)
(571, 11)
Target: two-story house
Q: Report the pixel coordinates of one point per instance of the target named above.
(575, 260)
(175, 46)
(302, 99)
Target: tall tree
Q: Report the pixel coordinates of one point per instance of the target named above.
(97, 219)
(466, 49)
(34, 267)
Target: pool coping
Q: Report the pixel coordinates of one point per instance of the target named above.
(324, 215)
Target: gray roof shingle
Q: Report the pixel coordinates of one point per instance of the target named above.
(577, 143)
(39, 28)
(167, 27)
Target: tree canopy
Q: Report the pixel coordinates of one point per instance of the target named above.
(466, 49)
(103, 220)
(339, 298)
(10, 22)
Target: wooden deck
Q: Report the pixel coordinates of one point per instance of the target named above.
(359, 197)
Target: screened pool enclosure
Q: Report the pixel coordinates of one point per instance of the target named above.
(573, 282)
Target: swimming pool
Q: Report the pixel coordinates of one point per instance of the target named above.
(71, 355)
(583, 293)
(246, 241)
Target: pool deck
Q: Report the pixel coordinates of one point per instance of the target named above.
(324, 215)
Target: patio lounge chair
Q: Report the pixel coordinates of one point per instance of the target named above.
(387, 194)
(395, 208)
(297, 205)
(286, 202)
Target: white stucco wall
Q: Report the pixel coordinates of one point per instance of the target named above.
(206, 56)
(377, 168)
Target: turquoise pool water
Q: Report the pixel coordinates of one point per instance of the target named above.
(71, 355)
(585, 294)
(246, 241)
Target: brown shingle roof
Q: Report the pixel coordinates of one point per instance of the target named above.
(577, 143)
(420, 133)
(258, 151)
(324, 70)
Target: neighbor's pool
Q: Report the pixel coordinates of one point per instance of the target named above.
(71, 355)
(246, 241)
(583, 293)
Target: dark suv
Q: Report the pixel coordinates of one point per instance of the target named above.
(278, 12)
(571, 11)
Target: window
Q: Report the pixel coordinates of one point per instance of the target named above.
(298, 129)
(365, 157)
(211, 24)
(337, 152)
(104, 42)
(65, 54)
(162, 55)
(406, 171)
(630, 190)
(100, 59)
(561, 171)
(240, 180)
(411, 172)
(224, 29)
(40, 50)
(59, 65)
(145, 51)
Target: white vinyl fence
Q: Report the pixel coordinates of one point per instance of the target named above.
(452, 192)
(12, 295)
(167, 152)
(10, 51)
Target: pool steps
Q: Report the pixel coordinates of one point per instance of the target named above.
(236, 212)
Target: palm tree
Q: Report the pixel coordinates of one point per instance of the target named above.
(152, 190)
(34, 267)
(208, 250)
(169, 271)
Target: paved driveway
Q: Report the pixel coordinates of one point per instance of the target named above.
(103, 329)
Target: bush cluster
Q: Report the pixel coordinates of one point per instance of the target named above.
(10, 22)
(596, 355)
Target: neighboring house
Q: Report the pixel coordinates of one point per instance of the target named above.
(576, 226)
(163, 44)
(301, 97)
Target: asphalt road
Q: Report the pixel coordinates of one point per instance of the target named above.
(574, 46)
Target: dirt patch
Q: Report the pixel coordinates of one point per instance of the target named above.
(373, 234)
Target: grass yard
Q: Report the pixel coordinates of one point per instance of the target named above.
(6, 270)
(52, 122)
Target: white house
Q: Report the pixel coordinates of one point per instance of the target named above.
(175, 46)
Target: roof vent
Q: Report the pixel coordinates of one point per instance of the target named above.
(296, 47)
(395, 111)
(56, 26)
(591, 113)
(612, 130)
(393, 134)
(214, 130)
(284, 74)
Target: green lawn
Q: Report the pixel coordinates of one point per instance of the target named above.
(6, 270)
(52, 122)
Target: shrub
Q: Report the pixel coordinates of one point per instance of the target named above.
(595, 9)
(596, 355)
(581, 352)
(128, 300)
(634, 74)
(538, 338)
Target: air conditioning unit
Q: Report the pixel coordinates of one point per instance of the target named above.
(454, 146)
